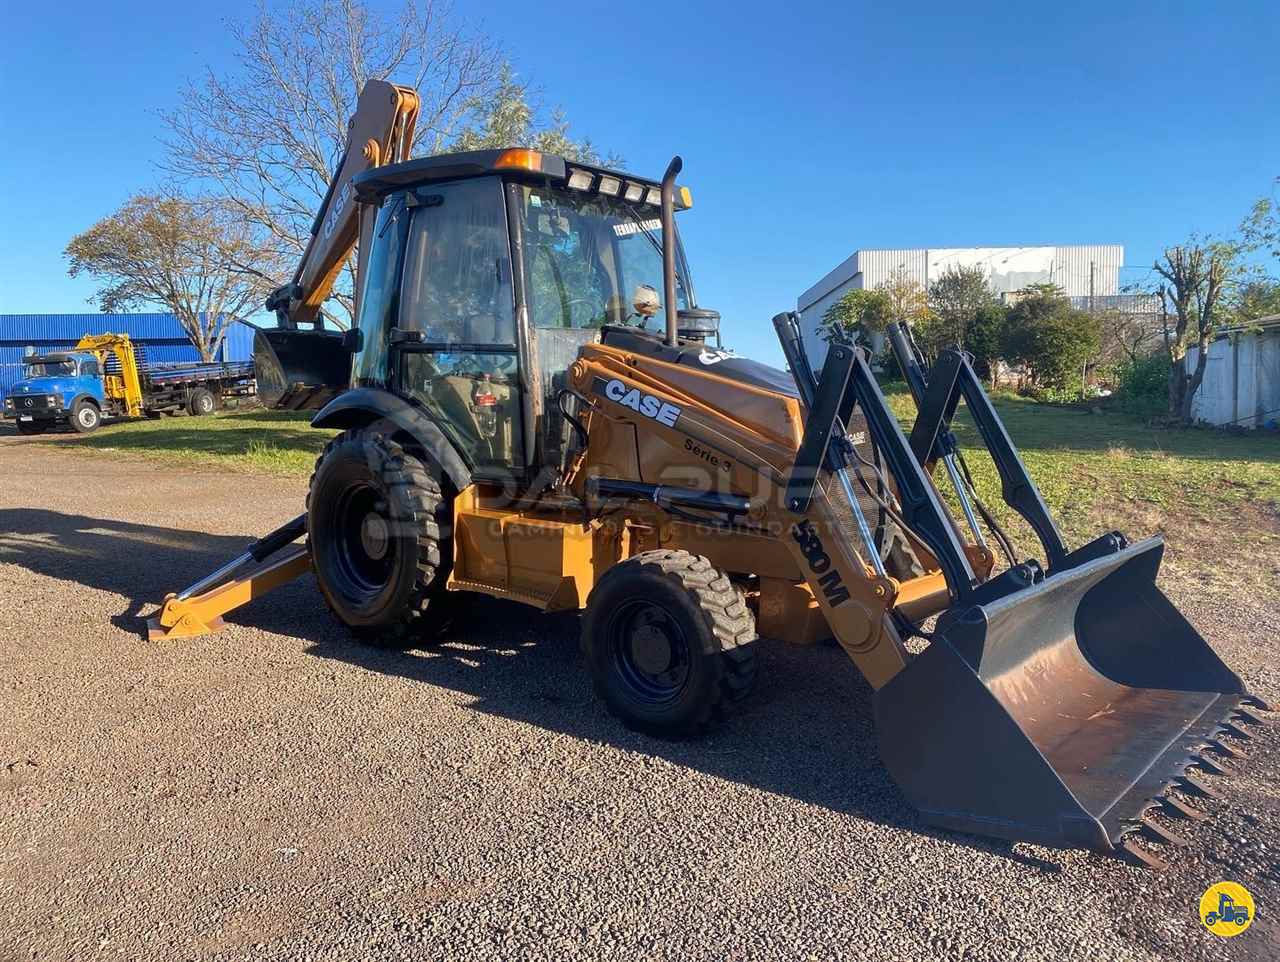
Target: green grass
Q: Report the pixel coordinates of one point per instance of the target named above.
(1214, 495)
(268, 442)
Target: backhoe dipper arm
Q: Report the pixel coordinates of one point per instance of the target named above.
(380, 132)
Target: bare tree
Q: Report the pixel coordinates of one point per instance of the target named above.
(1197, 274)
(175, 253)
(268, 135)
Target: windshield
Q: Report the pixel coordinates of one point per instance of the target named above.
(50, 368)
(592, 260)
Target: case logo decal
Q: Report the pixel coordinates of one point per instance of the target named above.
(646, 404)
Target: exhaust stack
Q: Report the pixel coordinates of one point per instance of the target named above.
(669, 248)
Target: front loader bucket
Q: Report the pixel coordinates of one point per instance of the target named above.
(1060, 714)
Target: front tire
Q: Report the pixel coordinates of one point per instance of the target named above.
(376, 518)
(85, 417)
(32, 427)
(670, 642)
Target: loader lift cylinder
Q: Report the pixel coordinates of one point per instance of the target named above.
(908, 360)
(807, 385)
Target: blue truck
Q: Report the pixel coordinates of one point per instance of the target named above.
(103, 376)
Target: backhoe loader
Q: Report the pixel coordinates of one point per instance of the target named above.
(533, 406)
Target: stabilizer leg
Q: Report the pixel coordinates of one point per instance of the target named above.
(201, 614)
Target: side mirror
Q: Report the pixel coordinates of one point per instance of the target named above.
(353, 340)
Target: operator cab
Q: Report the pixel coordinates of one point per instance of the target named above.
(59, 364)
(486, 274)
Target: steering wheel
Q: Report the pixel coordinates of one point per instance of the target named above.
(576, 308)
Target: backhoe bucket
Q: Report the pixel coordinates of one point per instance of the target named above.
(1062, 713)
(299, 370)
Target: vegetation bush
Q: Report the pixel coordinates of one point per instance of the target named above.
(1142, 385)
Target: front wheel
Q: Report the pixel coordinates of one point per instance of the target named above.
(670, 642)
(376, 518)
(85, 417)
(32, 427)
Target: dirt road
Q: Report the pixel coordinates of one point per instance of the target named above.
(279, 791)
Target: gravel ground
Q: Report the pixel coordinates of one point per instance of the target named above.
(278, 791)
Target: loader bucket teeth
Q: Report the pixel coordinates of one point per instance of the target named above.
(1192, 786)
(1226, 749)
(1212, 767)
(1177, 807)
(1248, 716)
(1158, 833)
(1231, 728)
(1062, 713)
(1131, 851)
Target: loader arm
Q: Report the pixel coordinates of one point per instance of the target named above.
(380, 132)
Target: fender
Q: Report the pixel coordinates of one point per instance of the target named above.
(363, 407)
(84, 396)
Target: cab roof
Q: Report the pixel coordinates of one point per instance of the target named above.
(374, 184)
(52, 357)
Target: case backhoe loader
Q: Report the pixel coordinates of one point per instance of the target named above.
(533, 406)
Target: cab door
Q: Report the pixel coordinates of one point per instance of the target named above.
(454, 347)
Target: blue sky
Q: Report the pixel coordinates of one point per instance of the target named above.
(808, 130)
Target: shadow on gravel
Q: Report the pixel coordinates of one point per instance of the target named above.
(805, 733)
(141, 562)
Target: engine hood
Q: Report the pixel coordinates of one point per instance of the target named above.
(726, 364)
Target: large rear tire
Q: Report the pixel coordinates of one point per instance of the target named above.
(376, 521)
(202, 403)
(85, 417)
(670, 642)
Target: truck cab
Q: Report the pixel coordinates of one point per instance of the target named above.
(63, 387)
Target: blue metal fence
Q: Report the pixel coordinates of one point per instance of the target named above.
(160, 335)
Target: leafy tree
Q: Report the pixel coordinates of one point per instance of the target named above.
(510, 115)
(1261, 229)
(1054, 341)
(857, 317)
(955, 298)
(985, 339)
(173, 253)
(908, 301)
(1198, 273)
(1253, 299)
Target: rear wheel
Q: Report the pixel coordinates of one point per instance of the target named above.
(202, 403)
(32, 427)
(670, 642)
(376, 518)
(85, 417)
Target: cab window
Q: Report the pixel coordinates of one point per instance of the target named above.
(456, 290)
(381, 287)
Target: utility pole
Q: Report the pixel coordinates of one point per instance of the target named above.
(1091, 307)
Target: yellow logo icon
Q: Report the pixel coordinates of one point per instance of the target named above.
(1226, 908)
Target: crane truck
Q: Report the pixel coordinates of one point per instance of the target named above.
(532, 405)
(104, 376)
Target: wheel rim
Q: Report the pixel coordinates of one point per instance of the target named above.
(365, 551)
(650, 652)
(205, 404)
(87, 417)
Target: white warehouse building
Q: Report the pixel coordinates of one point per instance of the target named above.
(1083, 270)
